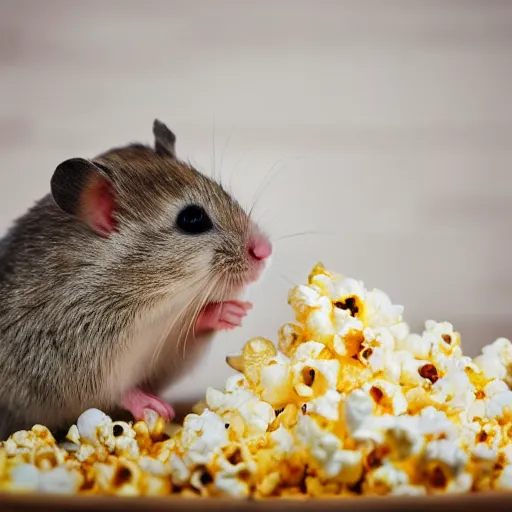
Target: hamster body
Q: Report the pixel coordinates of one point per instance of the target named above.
(111, 284)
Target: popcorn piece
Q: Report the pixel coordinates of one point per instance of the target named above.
(73, 435)
(231, 485)
(496, 361)
(202, 436)
(504, 481)
(256, 414)
(416, 345)
(408, 490)
(385, 480)
(276, 380)
(326, 450)
(25, 477)
(282, 439)
(326, 405)
(89, 422)
(85, 452)
(350, 402)
(290, 337)
(388, 397)
(60, 481)
(491, 401)
(436, 424)
(447, 453)
(256, 354)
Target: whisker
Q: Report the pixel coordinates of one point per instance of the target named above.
(222, 158)
(288, 281)
(303, 233)
(270, 221)
(188, 321)
(194, 316)
(161, 343)
(213, 153)
(259, 220)
(264, 183)
(166, 333)
(236, 166)
(187, 327)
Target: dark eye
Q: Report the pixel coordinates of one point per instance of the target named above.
(193, 220)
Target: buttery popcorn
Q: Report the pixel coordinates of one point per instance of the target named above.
(348, 403)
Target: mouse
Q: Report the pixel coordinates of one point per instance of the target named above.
(113, 284)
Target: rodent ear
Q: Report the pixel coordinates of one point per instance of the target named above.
(82, 189)
(165, 140)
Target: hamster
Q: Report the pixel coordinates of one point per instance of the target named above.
(111, 285)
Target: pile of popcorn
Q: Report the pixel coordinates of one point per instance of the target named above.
(349, 403)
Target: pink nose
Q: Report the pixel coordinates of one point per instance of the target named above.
(260, 248)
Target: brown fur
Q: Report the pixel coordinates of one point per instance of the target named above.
(83, 318)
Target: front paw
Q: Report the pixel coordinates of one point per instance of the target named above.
(222, 315)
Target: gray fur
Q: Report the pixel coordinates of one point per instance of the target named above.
(69, 299)
(165, 140)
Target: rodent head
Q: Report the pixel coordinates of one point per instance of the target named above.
(164, 227)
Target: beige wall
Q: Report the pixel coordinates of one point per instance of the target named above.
(390, 122)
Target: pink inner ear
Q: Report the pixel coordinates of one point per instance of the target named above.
(98, 204)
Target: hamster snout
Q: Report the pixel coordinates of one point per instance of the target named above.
(259, 253)
(260, 248)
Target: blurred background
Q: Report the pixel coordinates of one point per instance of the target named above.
(376, 136)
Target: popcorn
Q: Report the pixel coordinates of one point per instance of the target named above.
(496, 360)
(349, 402)
(385, 480)
(59, 480)
(504, 481)
(90, 422)
(325, 449)
(491, 400)
(283, 440)
(25, 477)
